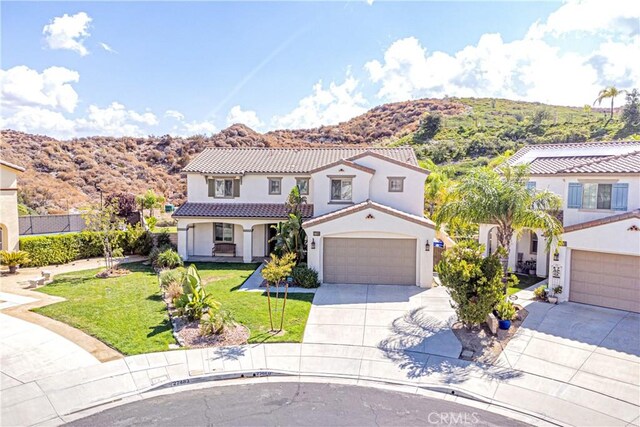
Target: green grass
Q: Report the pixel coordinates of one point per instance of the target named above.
(128, 314)
(525, 282)
(250, 308)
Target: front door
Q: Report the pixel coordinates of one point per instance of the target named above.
(271, 243)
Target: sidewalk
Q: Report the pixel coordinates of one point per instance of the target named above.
(54, 399)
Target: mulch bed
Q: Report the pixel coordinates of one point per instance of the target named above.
(187, 333)
(485, 346)
(112, 272)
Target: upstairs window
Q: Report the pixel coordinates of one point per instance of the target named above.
(275, 186)
(222, 188)
(396, 184)
(303, 185)
(596, 196)
(341, 189)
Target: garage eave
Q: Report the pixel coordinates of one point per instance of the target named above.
(369, 205)
(603, 221)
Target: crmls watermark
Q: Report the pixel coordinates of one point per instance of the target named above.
(453, 418)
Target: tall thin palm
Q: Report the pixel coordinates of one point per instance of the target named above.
(500, 196)
(609, 92)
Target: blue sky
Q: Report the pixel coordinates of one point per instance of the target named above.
(195, 67)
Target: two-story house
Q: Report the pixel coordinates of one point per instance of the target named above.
(598, 260)
(364, 215)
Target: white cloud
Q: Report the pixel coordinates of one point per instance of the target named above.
(174, 114)
(337, 103)
(196, 128)
(21, 86)
(38, 120)
(68, 32)
(590, 16)
(115, 120)
(246, 117)
(532, 68)
(107, 47)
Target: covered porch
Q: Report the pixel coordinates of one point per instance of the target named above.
(527, 251)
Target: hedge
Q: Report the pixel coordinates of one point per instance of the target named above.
(63, 248)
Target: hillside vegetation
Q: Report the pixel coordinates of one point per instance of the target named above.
(64, 174)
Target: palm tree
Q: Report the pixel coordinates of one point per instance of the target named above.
(500, 196)
(437, 185)
(609, 92)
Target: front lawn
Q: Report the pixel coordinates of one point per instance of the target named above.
(128, 313)
(525, 282)
(250, 308)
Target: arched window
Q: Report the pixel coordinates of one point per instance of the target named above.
(534, 243)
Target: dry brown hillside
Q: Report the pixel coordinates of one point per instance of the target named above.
(64, 174)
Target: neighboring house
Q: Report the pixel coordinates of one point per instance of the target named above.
(9, 206)
(598, 261)
(363, 218)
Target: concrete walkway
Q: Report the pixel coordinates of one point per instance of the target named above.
(18, 301)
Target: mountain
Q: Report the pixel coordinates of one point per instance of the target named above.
(65, 174)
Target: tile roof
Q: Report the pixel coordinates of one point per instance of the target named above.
(582, 146)
(238, 210)
(365, 205)
(602, 221)
(623, 163)
(284, 160)
(549, 165)
(12, 166)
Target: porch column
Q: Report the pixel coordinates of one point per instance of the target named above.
(247, 245)
(542, 256)
(513, 253)
(183, 241)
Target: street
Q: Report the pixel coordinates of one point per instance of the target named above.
(300, 404)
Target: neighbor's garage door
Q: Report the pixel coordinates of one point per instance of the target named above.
(606, 280)
(370, 261)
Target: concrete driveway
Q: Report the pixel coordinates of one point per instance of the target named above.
(399, 318)
(591, 347)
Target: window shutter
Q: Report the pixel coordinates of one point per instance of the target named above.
(619, 195)
(236, 188)
(212, 187)
(531, 185)
(574, 199)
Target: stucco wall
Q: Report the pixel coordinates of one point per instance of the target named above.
(9, 209)
(322, 187)
(382, 225)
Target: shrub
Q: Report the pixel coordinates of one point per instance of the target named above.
(168, 259)
(215, 322)
(151, 222)
(163, 239)
(167, 277)
(506, 310)
(474, 282)
(195, 301)
(540, 292)
(174, 291)
(305, 276)
(156, 251)
(137, 240)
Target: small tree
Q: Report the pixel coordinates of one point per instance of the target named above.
(631, 111)
(428, 128)
(274, 273)
(474, 283)
(150, 200)
(125, 203)
(104, 221)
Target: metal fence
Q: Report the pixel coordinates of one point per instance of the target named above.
(48, 224)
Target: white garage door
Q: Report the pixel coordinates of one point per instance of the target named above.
(370, 261)
(606, 280)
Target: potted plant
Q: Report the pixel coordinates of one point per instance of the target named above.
(553, 295)
(506, 312)
(530, 267)
(13, 259)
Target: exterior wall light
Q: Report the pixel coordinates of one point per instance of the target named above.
(427, 246)
(313, 243)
